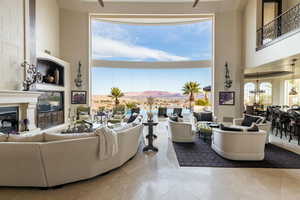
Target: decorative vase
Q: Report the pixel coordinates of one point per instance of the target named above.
(50, 79)
(150, 116)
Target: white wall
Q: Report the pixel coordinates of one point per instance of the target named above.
(228, 45)
(74, 43)
(74, 47)
(12, 37)
(292, 3)
(11, 43)
(47, 26)
(278, 91)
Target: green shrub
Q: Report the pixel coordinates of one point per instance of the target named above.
(202, 102)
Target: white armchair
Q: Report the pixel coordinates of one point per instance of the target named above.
(181, 131)
(243, 145)
(261, 126)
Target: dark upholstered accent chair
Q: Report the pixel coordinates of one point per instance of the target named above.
(178, 112)
(83, 112)
(135, 110)
(162, 112)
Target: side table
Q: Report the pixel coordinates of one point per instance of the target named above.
(150, 136)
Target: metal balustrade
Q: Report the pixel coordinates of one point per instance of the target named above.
(285, 23)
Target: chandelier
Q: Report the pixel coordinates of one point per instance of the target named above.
(257, 90)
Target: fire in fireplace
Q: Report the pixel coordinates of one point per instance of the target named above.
(9, 119)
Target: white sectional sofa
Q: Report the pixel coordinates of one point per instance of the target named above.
(54, 163)
(241, 145)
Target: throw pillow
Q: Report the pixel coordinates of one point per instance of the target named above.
(137, 121)
(132, 118)
(3, 137)
(173, 118)
(58, 136)
(206, 116)
(249, 120)
(253, 128)
(226, 128)
(203, 116)
(261, 120)
(197, 116)
(30, 137)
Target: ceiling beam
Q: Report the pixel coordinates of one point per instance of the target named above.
(195, 3)
(101, 3)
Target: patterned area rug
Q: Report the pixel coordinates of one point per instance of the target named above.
(200, 154)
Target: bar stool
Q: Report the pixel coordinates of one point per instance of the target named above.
(294, 125)
(285, 121)
(272, 118)
(277, 123)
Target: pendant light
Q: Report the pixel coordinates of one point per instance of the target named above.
(293, 90)
(257, 91)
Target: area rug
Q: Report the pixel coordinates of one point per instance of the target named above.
(200, 154)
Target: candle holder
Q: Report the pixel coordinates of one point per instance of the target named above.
(32, 75)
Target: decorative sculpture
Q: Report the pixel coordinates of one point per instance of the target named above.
(32, 75)
(228, 81)
(78, 80)
(150, 102)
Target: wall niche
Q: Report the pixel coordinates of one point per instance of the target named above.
(52, 72)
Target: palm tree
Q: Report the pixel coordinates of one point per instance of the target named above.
(190, 89)
(116, 93)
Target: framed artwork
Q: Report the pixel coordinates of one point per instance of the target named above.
(227, 98)
(78, 97)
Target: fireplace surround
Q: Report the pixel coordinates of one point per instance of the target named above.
(26, 102)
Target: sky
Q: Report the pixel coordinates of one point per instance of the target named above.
(130, 42)
(150, 43)
(138, 80)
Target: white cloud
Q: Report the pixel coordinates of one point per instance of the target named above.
(105, 47)
(200, 28)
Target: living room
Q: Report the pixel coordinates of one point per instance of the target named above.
(59, 142)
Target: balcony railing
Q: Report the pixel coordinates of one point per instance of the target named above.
(285, 23)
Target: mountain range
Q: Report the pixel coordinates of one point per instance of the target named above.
(155, 94)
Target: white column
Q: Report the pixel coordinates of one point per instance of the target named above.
(31, 111)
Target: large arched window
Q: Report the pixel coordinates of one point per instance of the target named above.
(124, 57)
(290, 99)
(249, 98)
(265, 98)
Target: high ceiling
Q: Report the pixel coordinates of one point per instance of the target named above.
(162, 1)
(152, 6)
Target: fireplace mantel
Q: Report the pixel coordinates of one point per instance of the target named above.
(16, 97)
(25, 100)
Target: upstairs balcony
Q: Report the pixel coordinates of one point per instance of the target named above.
(283, 26)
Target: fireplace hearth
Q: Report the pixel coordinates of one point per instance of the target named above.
(9, 119)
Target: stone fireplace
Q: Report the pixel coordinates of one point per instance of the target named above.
(26, 102)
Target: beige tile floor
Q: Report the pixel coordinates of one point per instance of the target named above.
(158, 177)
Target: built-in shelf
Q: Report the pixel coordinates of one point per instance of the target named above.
(52, 72)
(54, 103)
